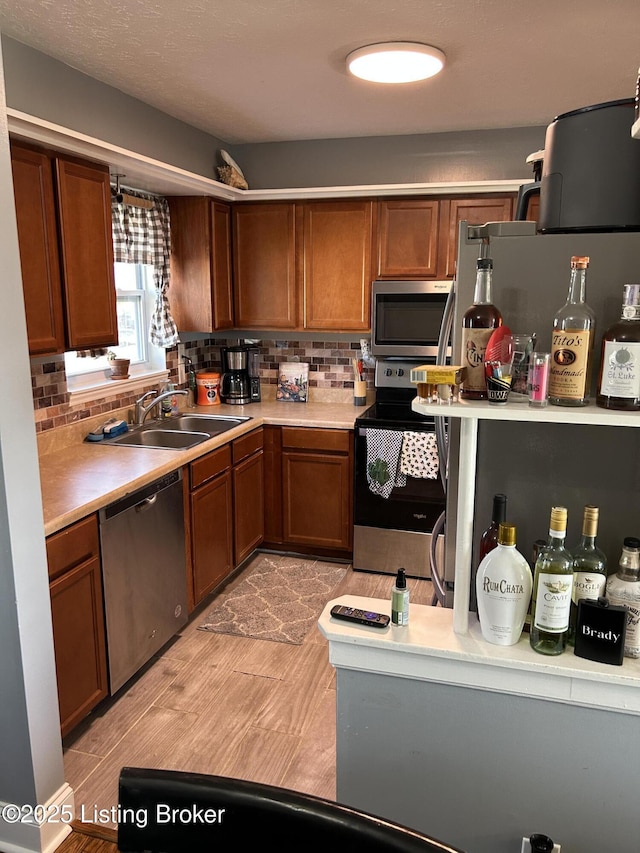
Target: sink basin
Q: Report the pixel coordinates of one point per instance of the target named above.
(212, 424)
(178, 433)
(169, 439)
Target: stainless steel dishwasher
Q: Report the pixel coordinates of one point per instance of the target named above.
(144, 574)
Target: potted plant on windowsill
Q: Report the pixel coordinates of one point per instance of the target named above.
(119, 366)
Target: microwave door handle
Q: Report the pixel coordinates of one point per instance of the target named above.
(439, 592)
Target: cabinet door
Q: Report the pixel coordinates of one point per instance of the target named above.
(221, 285)
(264, 257)
(476, 211)
(211, 535)
(200, 295)
(77, 612)
(316, 497)
(248, 501)
(408, 239)
(86, 245)
(38, 239)
(337, 265)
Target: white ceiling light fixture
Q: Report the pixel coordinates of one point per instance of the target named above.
(395, 62)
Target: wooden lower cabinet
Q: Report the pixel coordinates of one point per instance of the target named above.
(211, 521)
(77, 610)
(315, 473)
(226, 518)
(248, 494)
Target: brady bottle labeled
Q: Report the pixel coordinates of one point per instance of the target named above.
(478, 322)
(552, 586)
(619, 382)
(572, 342)
(503, 590)
(589, 567)
(623, 589)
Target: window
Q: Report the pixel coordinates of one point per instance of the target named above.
(135, 300)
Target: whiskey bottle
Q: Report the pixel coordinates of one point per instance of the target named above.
(623, 589)
(572, 342)
(552, 585)
(478, 322)
(589, 567)
(619, 383)
(489, 537)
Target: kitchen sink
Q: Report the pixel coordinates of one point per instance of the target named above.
(169, 439)
(177, 433)
(212, 424)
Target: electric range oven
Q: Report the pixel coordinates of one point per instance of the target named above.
(394, 530)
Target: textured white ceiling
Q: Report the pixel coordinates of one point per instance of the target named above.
(270, 70)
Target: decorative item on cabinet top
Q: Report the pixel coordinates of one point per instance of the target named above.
(231, 174)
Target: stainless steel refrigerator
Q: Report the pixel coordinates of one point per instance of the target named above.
(540, 465)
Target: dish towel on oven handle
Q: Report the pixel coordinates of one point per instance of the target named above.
(419, 455)
(383, 461)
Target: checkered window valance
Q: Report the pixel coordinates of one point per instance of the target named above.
(143, 236)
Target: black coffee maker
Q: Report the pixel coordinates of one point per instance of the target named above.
(235, 386)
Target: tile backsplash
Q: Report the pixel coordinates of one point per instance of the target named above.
(329, 368)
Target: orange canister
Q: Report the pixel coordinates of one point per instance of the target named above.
(208, 385)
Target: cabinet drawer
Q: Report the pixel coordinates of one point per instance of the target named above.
(209, 466)
(248, 444)
(72, 546)
(310, 438)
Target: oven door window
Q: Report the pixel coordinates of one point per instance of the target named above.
(408, 319)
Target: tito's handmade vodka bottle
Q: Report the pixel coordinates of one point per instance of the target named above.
(572, 342)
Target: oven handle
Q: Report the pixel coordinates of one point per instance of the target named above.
(437, 581)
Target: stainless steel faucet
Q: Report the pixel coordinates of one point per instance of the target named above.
(142, 411)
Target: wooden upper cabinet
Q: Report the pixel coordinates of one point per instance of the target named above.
(408, 239)
(38, 239)
(337, 265)
(476, 211)
(200, 294)
(264, 256)
(86, 247)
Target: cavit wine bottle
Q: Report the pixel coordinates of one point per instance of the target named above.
(503, 589)
(572, 342)
(478, 323)
(552, 586)
(619, 383)
(589, 568)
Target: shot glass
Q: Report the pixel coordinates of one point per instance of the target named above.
(539, 378)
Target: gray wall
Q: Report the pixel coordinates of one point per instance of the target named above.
(41, 86)
(425, 158)
(480, 770)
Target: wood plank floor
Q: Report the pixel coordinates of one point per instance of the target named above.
(221, 704)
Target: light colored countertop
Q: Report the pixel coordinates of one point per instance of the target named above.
(427, 649)
(79, 477)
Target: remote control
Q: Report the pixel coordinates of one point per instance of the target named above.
(363, 617)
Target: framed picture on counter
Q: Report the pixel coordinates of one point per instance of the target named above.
(293, 382)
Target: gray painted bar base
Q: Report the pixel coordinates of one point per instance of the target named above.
(480, 745)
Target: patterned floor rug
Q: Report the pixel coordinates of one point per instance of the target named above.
(279, 598)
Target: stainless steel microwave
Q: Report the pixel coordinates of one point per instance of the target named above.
(406, 318)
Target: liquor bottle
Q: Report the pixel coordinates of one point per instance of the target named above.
(503, 590)
(553, 581)
(572, 343)
(619, 383)
(478, 322)
(589, 567)
(489, 537)
(623, 589)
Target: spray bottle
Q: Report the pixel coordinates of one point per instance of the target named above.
(400, 600)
